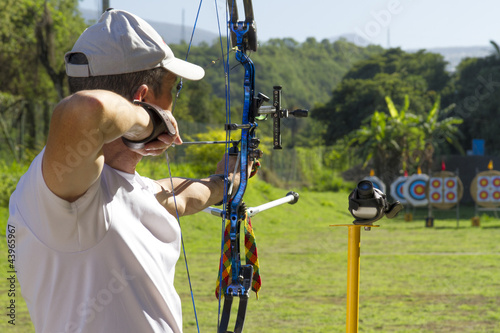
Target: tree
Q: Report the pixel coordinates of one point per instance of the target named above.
(439, 133)
(307, 71)
(34, 36)
(496, 47)
(197, 103)
(476, 95)
(401, 140)
(35, 33)
(384, 139)
(363, 89)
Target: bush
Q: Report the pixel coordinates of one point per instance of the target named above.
(9, 177)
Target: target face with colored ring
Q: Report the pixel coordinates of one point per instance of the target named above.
(397, 189)
(415, 190)
(436, 183)
(450, 182)
(495, 181)
(435, 197)
(450, 197)
(495, 196)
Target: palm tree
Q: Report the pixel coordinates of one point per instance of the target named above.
(438, 132)
(401, 140)
(385, 139)
(496, 47)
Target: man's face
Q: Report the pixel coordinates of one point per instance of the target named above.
(165, 99)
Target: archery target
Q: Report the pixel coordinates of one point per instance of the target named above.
(415, 190)
(488, 189)
(445, 190)
(377, 183)
(435, 190)
(450, 192)
(495, 188)
(397, 189)
(485, 188)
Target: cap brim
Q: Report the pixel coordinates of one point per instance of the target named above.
(185, 69)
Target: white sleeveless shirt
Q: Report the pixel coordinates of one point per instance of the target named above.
(104, 263)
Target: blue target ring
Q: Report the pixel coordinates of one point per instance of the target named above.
(397, 187)
(417, 189)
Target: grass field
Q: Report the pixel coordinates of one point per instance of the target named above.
(413, 278)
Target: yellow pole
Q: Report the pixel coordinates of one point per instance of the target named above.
(353, 248)
(353, 256)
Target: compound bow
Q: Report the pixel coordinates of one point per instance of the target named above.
(244, 38)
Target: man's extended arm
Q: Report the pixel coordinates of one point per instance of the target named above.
(194, 195)
(81, 124)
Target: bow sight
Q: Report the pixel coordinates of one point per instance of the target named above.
(260, 112)
(278, 113)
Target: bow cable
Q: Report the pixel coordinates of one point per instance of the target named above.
(179, 88)
(225, 63)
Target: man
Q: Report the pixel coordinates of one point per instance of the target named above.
(97, 244)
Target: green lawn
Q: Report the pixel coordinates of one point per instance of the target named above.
(413, 279)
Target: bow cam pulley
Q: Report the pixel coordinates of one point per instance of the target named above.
(248, 40)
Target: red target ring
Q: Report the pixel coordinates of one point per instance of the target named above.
(483, 182)
(483, 195)
(495, 181)
(450, 196)
(496, 195)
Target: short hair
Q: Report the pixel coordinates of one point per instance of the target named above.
(123, 84)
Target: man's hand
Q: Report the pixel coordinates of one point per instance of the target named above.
(162, 142)
(232, 160)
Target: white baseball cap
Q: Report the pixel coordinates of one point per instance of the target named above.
(120, 43)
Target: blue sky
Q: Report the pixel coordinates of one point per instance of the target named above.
(409, 24)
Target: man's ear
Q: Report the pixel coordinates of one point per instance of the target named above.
(141, 92)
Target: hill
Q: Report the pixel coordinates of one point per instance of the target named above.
(454, 55)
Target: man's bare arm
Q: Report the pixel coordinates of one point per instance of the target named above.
(191, 195)
(194, 195)
(81, 124)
